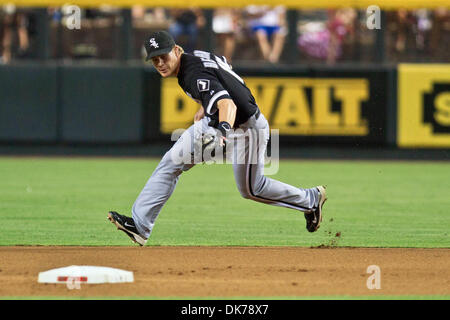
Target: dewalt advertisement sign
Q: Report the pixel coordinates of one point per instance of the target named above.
(347, 108)
(304, 106)
(423, 105)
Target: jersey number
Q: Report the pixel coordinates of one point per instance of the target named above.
(210, 63)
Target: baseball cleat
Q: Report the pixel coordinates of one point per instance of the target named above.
(128, 226)
(314, 217)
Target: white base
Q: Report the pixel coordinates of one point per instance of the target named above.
(85, 274)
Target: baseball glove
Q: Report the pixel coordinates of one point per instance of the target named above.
(207, 145)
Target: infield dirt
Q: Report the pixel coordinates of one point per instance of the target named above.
(231, 271)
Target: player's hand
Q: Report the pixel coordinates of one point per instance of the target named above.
(224, 128)
(222, 141)
(199, 114)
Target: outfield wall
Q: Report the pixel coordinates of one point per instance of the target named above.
(406, 106)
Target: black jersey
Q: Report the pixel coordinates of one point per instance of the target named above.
(206, 78)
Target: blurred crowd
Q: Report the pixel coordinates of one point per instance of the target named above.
(14, 30)
(253, 33)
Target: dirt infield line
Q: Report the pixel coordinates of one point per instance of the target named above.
(232, 271)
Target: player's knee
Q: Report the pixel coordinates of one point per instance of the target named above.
(244, 193)
(255, 190)
(258, 187)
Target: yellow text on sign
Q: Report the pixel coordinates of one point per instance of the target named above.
(285, 102)
(423, 122)
(442, 105)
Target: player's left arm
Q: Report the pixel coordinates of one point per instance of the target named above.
(227, 115)
(207, 89)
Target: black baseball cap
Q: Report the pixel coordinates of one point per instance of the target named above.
(158, 43)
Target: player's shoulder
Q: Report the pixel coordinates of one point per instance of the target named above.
(188, 68)
(196, 64)
(202, 59)
(190, 61)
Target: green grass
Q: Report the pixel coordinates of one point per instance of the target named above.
(64, 201)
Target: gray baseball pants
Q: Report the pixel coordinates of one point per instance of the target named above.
(248, 165)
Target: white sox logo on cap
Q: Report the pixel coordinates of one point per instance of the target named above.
(153, 43)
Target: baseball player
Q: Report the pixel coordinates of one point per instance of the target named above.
(227, 107)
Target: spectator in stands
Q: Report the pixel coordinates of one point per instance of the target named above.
(404, 21)
(150, 15)
(440, 35)
(341, 25)
(13, 19)
(324, 41)
(422, 27)
(186, 23)
(269, 26)
(225, 26)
